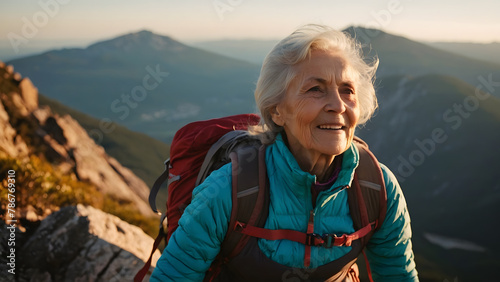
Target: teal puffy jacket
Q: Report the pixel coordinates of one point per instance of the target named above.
(202, 227)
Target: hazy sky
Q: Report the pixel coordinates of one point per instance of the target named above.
(28, 25)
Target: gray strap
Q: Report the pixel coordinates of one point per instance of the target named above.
(207, 162)
(173, 178)
(156, 186)
(248, 192)
(370, 185)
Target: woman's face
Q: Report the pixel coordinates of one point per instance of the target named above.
(320, 109)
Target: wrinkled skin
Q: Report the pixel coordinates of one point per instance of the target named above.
(319, 111)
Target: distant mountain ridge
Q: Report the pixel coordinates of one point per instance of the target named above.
(398, 55)
(401, 56)
(155, 84)
(253, 51)
(488, 52)
(143, 81)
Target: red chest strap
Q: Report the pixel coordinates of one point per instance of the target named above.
(308, 239)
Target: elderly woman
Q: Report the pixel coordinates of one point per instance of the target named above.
(314, 89)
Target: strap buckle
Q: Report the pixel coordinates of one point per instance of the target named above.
(330, 240)
(313, 239)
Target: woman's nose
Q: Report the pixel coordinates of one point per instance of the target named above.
(334, 102)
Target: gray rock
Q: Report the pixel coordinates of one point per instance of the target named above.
(81, 243)
(9, 69)
(92, 164)
(6, 256)
(10, 142)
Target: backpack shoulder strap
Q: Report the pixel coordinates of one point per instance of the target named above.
(250, 199)
(367, 203)
(208, 162)
(250, 194)
(367, 197)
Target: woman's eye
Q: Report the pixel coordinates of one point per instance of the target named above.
(315, 89)
(347, 90)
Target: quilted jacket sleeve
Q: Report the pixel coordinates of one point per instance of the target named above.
(390, 250)
(202, 227)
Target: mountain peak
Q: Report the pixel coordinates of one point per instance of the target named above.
(366, 34)
(143, 39)
(144, 32)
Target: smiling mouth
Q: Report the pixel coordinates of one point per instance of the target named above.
(331, 127)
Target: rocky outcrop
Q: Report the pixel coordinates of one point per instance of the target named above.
(76, 243)
(62, 141)
(29, 93)
(81, 243)
(10, 144)
(72, 144)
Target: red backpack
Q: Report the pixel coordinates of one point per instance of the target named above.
(204, 146)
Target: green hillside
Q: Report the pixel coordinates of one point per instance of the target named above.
(142, 154)
(442, 146)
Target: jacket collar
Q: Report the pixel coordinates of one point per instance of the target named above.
(284, 163)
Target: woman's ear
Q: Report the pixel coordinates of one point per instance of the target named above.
(277, 116)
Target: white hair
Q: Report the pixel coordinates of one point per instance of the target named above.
(276, 73)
